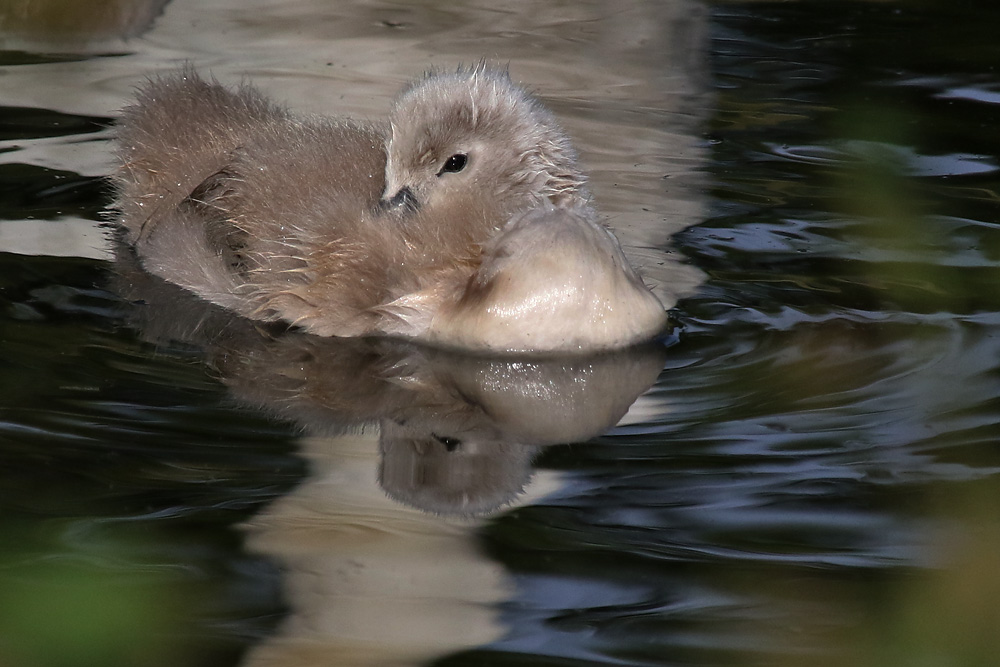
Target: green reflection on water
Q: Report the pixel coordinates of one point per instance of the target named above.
(61, 605)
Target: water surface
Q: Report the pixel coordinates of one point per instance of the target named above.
(811, 479)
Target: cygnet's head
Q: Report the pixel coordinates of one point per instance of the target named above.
(471, 136)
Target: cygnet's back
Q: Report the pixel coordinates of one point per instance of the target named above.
(228, 195)
(346, 228)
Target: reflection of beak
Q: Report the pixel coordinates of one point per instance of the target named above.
(403, 200)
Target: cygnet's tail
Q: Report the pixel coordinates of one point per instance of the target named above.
(181, 130)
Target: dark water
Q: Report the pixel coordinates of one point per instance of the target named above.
(815, 482)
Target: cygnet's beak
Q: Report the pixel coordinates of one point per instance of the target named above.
(404, 200)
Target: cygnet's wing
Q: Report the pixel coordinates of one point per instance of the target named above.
(298, 224)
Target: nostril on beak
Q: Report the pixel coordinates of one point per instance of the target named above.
(402, 200)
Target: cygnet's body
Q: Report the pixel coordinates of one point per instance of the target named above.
(465, 222)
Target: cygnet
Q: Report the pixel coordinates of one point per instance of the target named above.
(464, 221)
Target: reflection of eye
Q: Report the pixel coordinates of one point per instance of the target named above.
(450, 444)
(454, 164)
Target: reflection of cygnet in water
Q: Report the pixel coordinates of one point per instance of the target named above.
(466, 222)
(476, 459)
(457, 433)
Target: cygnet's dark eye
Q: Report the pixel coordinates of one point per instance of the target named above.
(454, 164)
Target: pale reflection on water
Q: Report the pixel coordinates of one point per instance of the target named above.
(370, 581)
